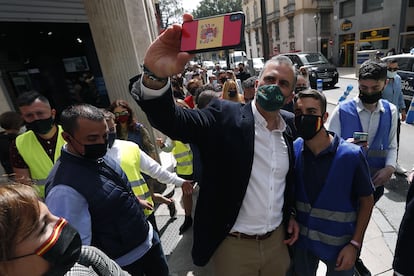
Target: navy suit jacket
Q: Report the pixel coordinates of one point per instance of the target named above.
(224, 134)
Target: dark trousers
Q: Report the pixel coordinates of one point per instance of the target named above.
(153, 263)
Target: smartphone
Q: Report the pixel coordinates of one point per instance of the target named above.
(360, 137)
(214, 33)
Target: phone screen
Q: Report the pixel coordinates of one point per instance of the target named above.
(212, 33)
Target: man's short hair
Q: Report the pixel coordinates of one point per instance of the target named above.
(373, 70)
(280, 59)
(28, 97)
(70, 116)
(249, 83)
(312, 93)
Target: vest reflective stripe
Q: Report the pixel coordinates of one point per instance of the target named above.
(36, 158)
(324, 238)
(130, 164)
(184, 157)
(326, 214)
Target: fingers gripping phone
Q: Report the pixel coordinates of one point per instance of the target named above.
(224, 31)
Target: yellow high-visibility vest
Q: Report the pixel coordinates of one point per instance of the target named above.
(36, 158)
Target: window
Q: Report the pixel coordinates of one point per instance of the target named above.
(347, 9)
(277, 31)
(291, 27)
(410, 3)
(277, 5)
(247, 16)
(292, 46)
(256, 35)
(325, 24)
(255, 10)
(372, 5)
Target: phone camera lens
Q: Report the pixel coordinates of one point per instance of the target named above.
(235, 17)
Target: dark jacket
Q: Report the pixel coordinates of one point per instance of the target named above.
(118, 222)
(224, 134)
(403, 261)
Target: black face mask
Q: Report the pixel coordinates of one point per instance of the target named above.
(111, 139)
(232, 93)
(65, 251)
(62, 249)
(223, 80)
(95, 151)
(41, 126)
(308, 125)
(370, 98)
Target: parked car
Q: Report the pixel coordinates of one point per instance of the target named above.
(318, 67)
(406, 72)
(208, 64)
(223, 64)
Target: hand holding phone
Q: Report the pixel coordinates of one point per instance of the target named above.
(360, 137)
(212, 33)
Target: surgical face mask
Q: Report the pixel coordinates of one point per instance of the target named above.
(391, 74)
(111, 139)
(232, 93)
(41, 126)
(370, 98)
(308, 125)
(270, 97)
(62, 249)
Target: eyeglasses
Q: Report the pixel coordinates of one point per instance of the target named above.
(393, 69)
(125, 112)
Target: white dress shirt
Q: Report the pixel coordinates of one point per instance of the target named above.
(370, 124)
(147, 165)
(261, 209)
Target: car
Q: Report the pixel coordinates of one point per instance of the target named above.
(208, 64)
(318, 67)
(258, 64)
(406, 72)
(223, 64)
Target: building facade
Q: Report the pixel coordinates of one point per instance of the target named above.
(336, 28)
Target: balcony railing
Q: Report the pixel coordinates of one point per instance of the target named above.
(289, 9)
(324, 4)
(274, 15)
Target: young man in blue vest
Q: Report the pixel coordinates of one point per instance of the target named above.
(333, 204)
(378, 118)
(92, 192)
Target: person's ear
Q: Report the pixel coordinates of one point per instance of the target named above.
(325, 117)
(66, 136)
(53, 113)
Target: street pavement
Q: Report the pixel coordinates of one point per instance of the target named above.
(377, 251)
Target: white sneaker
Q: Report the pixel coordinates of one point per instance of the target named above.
(399, 169)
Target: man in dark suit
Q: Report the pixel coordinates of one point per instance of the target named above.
(245, 198)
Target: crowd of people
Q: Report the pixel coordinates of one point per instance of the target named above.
(274, 197)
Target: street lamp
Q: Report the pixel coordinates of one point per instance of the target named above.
(316, 18)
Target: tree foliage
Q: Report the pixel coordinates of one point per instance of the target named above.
(215, 7)
(171, 12)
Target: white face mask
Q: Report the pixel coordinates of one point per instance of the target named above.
(391, 75)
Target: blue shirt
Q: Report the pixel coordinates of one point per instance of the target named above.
(316, 169)
(64, 201)
(393, 93)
